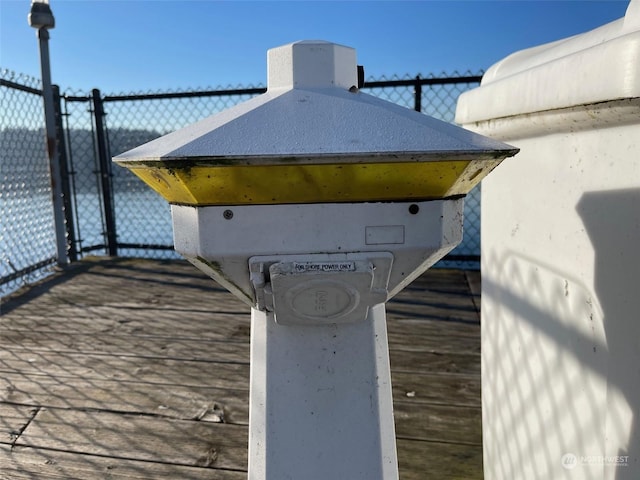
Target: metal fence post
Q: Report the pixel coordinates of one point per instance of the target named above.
(65, 175)
(417, 95)
(52, 149)
(104, 160)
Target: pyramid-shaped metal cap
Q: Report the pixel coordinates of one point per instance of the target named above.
(313, 114)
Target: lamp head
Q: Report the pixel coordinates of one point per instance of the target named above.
(41, 15)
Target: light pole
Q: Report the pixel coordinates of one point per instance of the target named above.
(41, 18)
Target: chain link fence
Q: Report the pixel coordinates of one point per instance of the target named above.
(113, 211)
(27, 233)
(79, 137)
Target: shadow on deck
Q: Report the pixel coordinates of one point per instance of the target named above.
(132, 369)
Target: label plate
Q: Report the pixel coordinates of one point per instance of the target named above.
(329, 267)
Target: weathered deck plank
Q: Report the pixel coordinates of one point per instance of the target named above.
(140, 369)
(433, 460)
(436, 389)
(138, 437)
(13, 419)
(27, 463)
(173, 401)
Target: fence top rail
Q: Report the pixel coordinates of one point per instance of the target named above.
(19, 86)
(169, 95)
(409, 82)
(77, 98)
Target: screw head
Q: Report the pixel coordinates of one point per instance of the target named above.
(227, 214)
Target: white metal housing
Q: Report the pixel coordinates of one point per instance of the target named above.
(560, 259)
(221, 241)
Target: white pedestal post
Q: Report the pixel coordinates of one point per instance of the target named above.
(321, 403)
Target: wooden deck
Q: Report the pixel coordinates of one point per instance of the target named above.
(123, 369)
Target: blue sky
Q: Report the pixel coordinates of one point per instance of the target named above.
(139, 46)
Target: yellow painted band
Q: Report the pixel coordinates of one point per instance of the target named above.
(326, 183)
